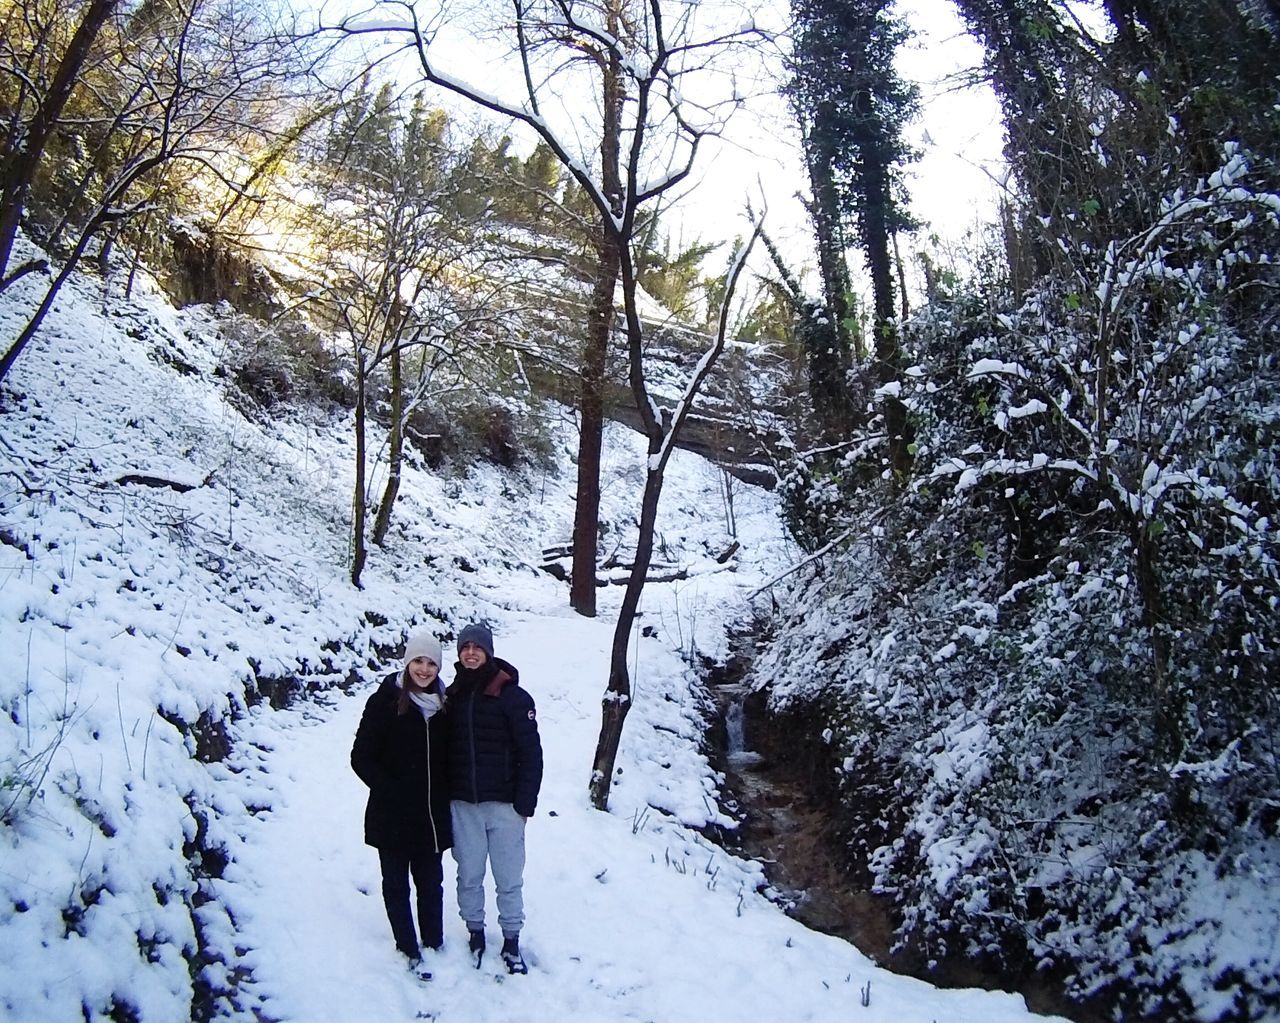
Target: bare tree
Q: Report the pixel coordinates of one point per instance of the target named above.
(650, 64)
(170, 86)
(394, 239)
(28, 140)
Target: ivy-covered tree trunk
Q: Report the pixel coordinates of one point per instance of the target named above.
(854, 107)
(829, 346)
(876, 243)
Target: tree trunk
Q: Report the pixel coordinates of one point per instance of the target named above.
(901, 272)
(888, 352)
(828, 230)
(662, 434)
(395, 451)
(358, 501)
(829, 351)
(1166, 713)
(20, 172)
(617, 697)
(586, 518)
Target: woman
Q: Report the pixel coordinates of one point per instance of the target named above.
(400, 752)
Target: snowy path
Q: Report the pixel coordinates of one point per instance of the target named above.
(614, 931)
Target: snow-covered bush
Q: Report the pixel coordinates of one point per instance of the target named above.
(1048, 657)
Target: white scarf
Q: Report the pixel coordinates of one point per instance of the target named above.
(428, 702)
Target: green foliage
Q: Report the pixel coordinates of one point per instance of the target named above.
(675, 278)
(361, 137)
(772, 318)
(373, 143)
(526, 192)
(855, 106)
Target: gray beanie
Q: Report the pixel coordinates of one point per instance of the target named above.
(423, 644)
(479, 634)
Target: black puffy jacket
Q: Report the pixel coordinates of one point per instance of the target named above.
(494, 750)
(404, 761)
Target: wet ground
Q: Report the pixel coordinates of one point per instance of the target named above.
(783, 828)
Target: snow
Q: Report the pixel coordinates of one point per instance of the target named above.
(155, 802)
(995, 367)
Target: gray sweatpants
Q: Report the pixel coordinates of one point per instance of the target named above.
(492, 831)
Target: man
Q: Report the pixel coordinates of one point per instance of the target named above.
(495, 773)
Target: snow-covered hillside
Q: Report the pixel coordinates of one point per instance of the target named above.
(177, 843)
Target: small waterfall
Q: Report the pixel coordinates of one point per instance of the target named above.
(735, 733)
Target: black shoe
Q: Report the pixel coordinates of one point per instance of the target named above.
(511, 955)
(419, 969)
(476, 944)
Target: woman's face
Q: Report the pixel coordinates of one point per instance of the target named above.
(423, 672)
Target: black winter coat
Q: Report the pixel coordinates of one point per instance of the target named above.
(494, 750)
(404, 761)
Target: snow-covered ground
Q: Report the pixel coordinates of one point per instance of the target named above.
(154, 802)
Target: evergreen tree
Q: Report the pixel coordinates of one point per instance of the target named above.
(673, 278)
(853, 108)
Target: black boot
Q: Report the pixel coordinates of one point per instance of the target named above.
(511, 954)
(476, 944)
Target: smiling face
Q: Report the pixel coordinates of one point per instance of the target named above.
(423, 672)
(472, 655)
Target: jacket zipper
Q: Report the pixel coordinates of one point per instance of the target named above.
(471, 741)
(431, 813)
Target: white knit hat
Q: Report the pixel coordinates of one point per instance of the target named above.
(423, 644)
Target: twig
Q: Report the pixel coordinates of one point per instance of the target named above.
(124, 741)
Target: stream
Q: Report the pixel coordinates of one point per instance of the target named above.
(780, 828)
(790, 833)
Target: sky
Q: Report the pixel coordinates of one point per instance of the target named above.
(756, 160)
(127, 607)
(959, 137)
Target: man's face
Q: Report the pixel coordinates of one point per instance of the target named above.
(472, 655)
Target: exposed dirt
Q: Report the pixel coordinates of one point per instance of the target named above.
(791, 832)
